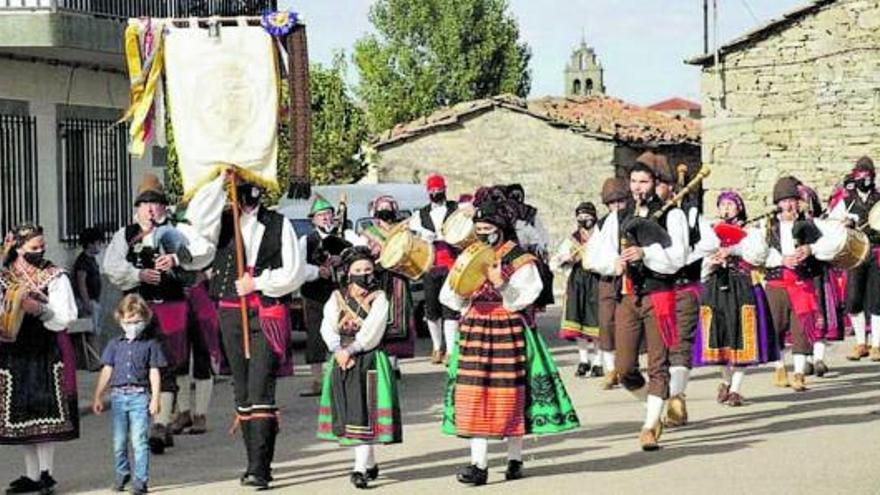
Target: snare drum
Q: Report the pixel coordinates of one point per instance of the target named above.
(407, 255)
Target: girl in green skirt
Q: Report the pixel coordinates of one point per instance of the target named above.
(359, 404)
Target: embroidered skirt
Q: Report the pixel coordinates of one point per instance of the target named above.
(580, 311)
(502, 380)
(400, 337)
(360, 405)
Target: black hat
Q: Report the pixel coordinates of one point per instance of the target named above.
(785, 188)
(586, 207)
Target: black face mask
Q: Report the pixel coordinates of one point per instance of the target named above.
(34, 258)
(587, 224)
(517, 196)
(438, 197)
(490, 239)
(249, 195)
(865, 184)
(366, 282)
(386, 215)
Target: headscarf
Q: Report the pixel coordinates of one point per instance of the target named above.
(731, 195)
(17, 238)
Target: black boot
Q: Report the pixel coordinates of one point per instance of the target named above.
(472, 475)
(373, 472)
(23, 485)
(47, 483)
(582, 370)
(597, 372)
(359, 480)
(514, 470)
(264, 432)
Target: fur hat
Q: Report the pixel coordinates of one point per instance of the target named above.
(615, 189)
(150, 190)
(786, 188)
(659, 166)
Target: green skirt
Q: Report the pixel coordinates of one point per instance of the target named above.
(548, 407)
(360, 405)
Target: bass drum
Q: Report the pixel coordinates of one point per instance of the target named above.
(458, 229)
(854, 251)
(407, 255)
(471, 269)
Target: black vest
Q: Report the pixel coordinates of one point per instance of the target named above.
(855, 206)
(170, 287)
(317, 252)
(222, 284)
(425, 215)
(646, 281)
(810, 268)
(692, 272)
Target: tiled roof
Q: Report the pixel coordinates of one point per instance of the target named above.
(598, 116)
(761, 32)
(675, 104)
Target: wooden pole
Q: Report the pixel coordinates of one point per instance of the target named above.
(239, 265)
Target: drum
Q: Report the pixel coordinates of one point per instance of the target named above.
(407, 255)
(471, 269)
(13, 315)
(854, 251)
(458, 229)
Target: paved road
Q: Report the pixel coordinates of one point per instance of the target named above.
(826, 440)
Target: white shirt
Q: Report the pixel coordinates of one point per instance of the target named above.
(438, 216)
(824, 249)
(368, 336)
(521, 290)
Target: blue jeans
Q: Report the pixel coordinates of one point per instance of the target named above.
(131, 412)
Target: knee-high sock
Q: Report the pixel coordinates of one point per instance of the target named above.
(166, 405)
(608, 360)
(583, 350)
(858, 324)
(371, 458)
(31, 462)
(514, 448)
(653, 412)
(736, 380)
(46, 456)
(819, 351)
(436, 330)
(800, 363)
(678, 380)
(184, 395)
(450, 331)
(480, 452)
(361, 457)
(725, 374)
(875, 330)
(204, 388)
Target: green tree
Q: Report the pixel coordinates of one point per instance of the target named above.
(427, 54)
(338, 126)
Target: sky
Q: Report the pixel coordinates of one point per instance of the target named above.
(640, 43)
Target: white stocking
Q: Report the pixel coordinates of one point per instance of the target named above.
(608, 361)
(450, 331)
(361, 457)
(514, 448)
(166, 405)
(875, 330)
(31, 462)
(46, 456)
(819, 351)
(678, 380)
(184, 395)
(653, 412)
(204, 388)
(858, 324)
(725, 374)
(480, 452)
(800, 363)
(583, 350)
(436, 332)
(736, 380)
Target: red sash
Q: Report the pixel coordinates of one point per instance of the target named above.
(804, 302)
(663, 303)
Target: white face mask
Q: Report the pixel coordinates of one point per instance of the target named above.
(133, 329)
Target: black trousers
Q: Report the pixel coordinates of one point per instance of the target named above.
(253, 381)
(434, 310)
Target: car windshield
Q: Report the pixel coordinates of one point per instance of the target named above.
(302, 226)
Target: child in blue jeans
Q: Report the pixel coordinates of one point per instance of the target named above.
(131, 369)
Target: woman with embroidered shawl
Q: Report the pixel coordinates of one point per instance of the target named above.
(37, 366)
(359, 403)
(502, 381)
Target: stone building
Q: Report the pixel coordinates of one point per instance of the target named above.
(678, 107)
(796, 96)
(560, 149)
(584, 75)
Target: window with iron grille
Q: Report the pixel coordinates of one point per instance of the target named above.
(96, 189)
(19, 201)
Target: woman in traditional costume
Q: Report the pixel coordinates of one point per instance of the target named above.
(502, 381)
(736, 329)
(38, 399)
(580, 311)
(400, 337)
(359, 403)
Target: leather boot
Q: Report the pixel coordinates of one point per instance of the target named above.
(780, 378)
(181, 422)
(437, 357)
(875, 354)
(799, 384)
(612, 379)
(676, 411)
(648, 440)
(859, 351)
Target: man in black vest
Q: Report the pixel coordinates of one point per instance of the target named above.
(154, 258)
(323, 249)
(645, 248)
(862, 282)
(273, 270)
(427, 223)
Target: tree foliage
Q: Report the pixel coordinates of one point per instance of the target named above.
(433, 53)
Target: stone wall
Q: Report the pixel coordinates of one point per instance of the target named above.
(803, 101)
(557, 167)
